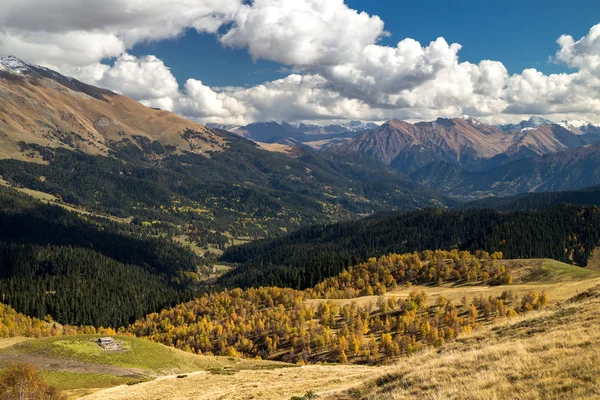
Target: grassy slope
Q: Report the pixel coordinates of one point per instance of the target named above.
(560, 280)
(139, 353)
(229, 378)
(76, 385)
(548, 354)
(490, 352)
(551, 354)
(144, 359)
(548, 271)
(264, 385)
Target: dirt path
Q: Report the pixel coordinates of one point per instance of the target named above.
(245, 385)
(54, 364)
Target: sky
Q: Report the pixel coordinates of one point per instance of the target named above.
(240, 61)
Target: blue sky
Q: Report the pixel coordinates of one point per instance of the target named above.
(520, 34)
(239, 61)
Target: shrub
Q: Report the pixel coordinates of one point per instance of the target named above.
(22, 381)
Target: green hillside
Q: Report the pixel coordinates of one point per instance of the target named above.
(78, 366)
(137, 353)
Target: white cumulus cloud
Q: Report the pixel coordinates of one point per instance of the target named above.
(341, 69)
(80, 32)
(145, 79)
(303, 32)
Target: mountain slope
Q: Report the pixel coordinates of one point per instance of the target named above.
(43, 107)
(545, 139)
(461, 141)
(561, 345)
(567, 170)
(408, 147)
(244, 189)
(86, 270)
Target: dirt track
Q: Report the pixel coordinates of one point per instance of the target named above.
(54, 364)
(245, 385)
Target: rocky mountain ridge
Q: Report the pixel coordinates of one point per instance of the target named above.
(43, 107)
(465, 142)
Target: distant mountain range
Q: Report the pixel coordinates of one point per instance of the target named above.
(461, 156)
(314, 136)
(566, 170)
(464, 142)
(407, 147)
(467, 158)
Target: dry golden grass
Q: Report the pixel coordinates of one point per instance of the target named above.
(275, 147)
(594, 261)
(552, 354)
(248, 384)
(560, 280)
(9, 342)
(94, 122)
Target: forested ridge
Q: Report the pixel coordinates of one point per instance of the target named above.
(243, 190)
(87, 271)
(308, 256)
(535, 201)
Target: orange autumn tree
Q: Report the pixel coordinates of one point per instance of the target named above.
(22, 381)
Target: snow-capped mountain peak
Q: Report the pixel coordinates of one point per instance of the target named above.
(471, 120)
(538, 121)
(356, 126)
(566, 123)
(579, 127)
(533, 122)
(15, 65)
